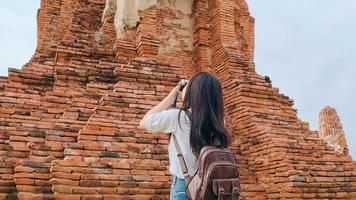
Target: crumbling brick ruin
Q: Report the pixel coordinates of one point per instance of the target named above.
(69, 118)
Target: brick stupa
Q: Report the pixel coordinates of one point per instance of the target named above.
(69, 118)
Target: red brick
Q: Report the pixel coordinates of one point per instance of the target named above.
(69, 118)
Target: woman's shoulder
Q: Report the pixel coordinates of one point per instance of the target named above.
(180, 114)
(181, 120)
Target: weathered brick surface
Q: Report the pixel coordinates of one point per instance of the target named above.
(68, 119)
(330, 129)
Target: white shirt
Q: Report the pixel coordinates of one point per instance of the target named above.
(167, 121)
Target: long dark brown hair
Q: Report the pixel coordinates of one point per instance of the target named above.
(204, 97)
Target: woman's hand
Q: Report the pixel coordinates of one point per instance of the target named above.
(174, 91)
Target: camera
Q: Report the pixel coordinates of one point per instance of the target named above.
(182, 84)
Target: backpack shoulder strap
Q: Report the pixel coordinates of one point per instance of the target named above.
(181, 159)
(189, 114)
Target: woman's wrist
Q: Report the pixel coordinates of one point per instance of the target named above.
(169, 99)
(174, 91)
(173, 94)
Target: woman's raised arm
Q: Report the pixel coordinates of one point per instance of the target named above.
(164, 104)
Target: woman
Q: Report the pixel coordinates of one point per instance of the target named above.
(203, 98)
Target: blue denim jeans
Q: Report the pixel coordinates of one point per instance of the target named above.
(178, 189)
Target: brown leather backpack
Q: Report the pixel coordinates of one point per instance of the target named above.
(217, 176)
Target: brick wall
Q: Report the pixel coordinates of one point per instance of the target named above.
(330, 129)
(69, 118)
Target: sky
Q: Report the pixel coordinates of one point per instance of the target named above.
(18, 33)
(306, 47)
